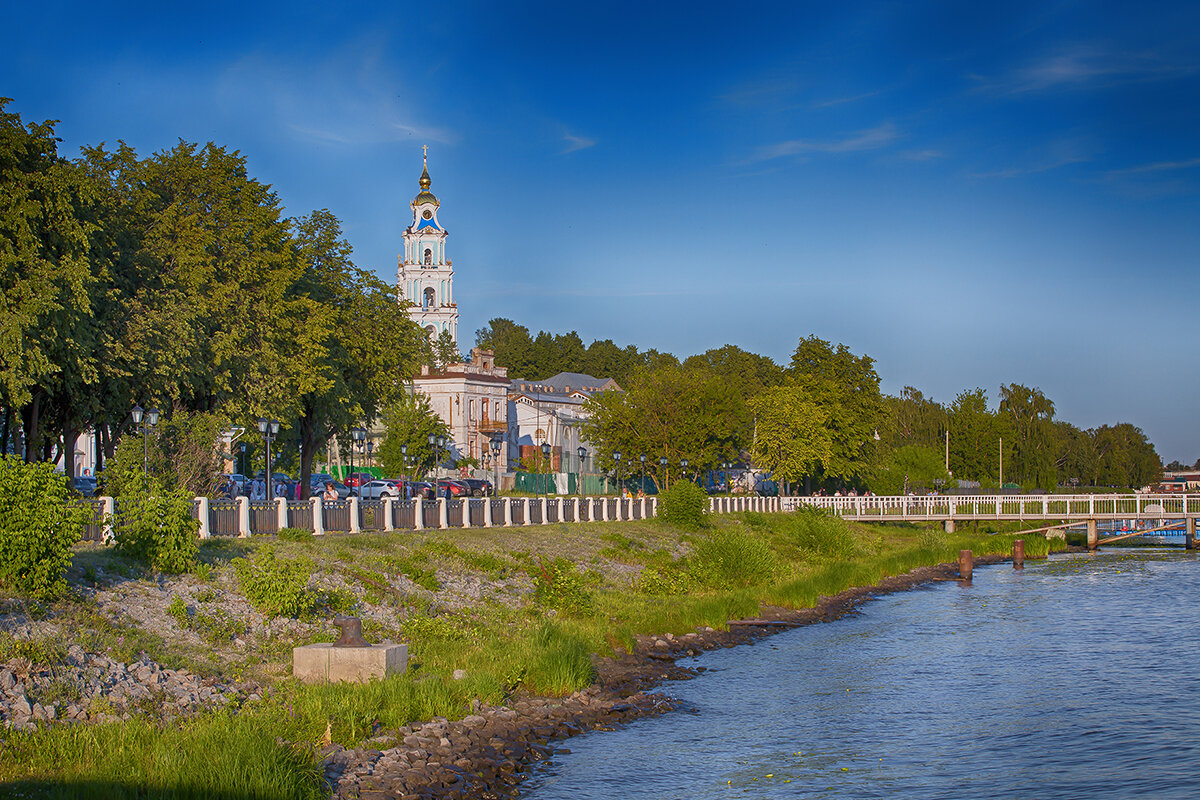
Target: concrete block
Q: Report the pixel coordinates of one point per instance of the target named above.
(324, 663)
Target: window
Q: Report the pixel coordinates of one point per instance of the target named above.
(429, 298)
(428, 256)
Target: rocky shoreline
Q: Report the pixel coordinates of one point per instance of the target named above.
(488, 753)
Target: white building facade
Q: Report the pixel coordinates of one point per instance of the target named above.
(472, 399)
(424, 276)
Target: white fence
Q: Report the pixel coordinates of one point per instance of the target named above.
(1005, 506)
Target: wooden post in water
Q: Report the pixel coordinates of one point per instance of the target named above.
(1189, 533)
(965, 564)
(1093, 534)
(1019, 554)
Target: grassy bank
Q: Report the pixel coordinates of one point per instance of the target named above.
(515, 610)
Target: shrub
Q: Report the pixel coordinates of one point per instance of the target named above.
(38, 526)
(683, 505)
(177, 610)
(155, 526)
(732, 559)
(558, 585)
(274, 586)
(295, 534)
(663, 581)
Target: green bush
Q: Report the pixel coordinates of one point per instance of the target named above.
(295, 534)
(663, 581)
(558, 585)
(154, 525)
(732, 559)
(274, 586)
(683, 505)
(38, 527)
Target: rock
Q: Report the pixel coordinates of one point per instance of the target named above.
(459, 674)
(7, 679)
(21, 710)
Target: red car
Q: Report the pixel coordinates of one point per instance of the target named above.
(457, 488)
(357, 479)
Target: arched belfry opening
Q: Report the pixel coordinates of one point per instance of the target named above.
(429, 297)
(428, 257)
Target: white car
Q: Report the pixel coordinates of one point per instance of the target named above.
(378, 489)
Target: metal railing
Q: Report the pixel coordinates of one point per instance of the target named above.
(1001, 507)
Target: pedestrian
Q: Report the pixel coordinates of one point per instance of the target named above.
(330, 494)
(258, 489)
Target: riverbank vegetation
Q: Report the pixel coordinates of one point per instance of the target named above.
(486, 614)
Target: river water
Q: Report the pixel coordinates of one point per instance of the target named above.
(1073, 678)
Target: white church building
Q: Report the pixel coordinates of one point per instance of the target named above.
(425, 277)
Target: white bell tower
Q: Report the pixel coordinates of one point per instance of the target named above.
(425, 276)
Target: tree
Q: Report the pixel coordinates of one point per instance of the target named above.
(911, 466)
(359, 346)
(410, 421)
(792, 437)
(846, 389)
(445, 350)
(975, 434)
(1030, 414)
(1125, 457)
(665, 411)
(48, 332)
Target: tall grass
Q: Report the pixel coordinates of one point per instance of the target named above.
(216, 755)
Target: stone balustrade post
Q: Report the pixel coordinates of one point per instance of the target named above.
(354, 515)
(545, 508)
(443, 513)
(243, 512)
(201, 516)
(418, 513)
(508, 512)
(108, 510)
(487, 512)
(318, 515)
(387, 514)
(281, 513)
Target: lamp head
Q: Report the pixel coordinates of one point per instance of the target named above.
(683, 463)
(545, 448)
(152, 417)
(582, 453)
(662, 462)
(403, 449)
(617, 457)
(262, 424)
(642, 457)
(274, 425)
(136, 414)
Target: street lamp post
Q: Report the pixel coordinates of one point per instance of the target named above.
(642, 485)
(357, 436)
(545, 479)
(683, 462)
(662, 471)
(269, 428)
(496, 444)
(146, 420)
(617, 458)
(582, 456)
(404, 460)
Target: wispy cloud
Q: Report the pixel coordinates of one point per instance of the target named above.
(1083, 67)
(576, 143)
(1158, 166)
(346, 99)
(769, 91)
(1060, 153)
(837, 101)
(870, 139)
(922, 155)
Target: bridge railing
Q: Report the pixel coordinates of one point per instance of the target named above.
(1046, 506)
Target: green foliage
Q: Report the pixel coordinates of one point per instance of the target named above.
(154, 525)
(38, 527)
(559, 585)
(664, 581)
(683, 505)
(41, 651)
(415, 569)
(177, 610)
(276, 586)
(295, 534)
(410, 421)
(730, 558)
(911, 466)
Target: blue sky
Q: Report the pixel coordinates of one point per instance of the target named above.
(972, 194)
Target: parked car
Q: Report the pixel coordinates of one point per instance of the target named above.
(84, 485)
(478, 486)
(316, 487)
(358, 479)
(378, 489)
(423, 489)
(457, 488)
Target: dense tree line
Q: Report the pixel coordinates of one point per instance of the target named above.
(822, 419)
(177, 281)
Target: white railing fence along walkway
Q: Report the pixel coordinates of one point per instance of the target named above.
(1005, 506)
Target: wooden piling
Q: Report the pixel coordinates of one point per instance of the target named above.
(1189, 533)
(1093, 534)
(1019, 554)
(966, 562)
